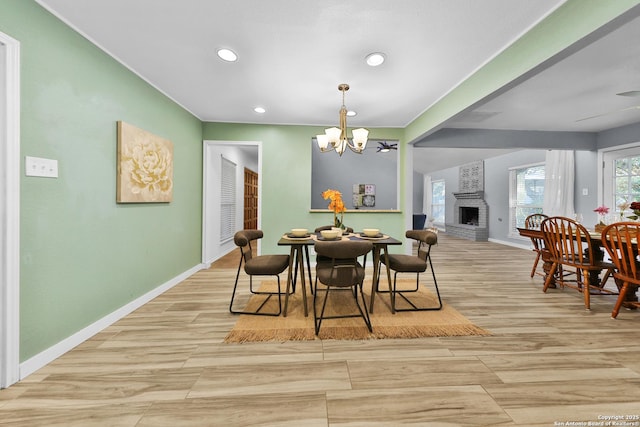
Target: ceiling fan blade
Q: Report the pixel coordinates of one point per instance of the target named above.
(635, 107)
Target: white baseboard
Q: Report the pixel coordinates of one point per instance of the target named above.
(507, 243)
(47, 356)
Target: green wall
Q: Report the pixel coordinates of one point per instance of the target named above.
(82, 255)
(286, 179)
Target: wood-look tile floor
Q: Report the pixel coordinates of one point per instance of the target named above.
(548, 361)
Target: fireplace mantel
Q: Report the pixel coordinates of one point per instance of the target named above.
(470, 195)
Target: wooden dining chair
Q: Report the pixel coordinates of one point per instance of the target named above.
(532, 222)
(261, 265)
(341, 271)
(620, 240)
(570, 245)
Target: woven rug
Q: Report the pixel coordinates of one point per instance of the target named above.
(408, 324)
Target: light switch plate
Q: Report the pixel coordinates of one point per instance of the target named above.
(37, 166)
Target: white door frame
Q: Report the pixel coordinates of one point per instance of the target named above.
(207, 145)
(9, 211)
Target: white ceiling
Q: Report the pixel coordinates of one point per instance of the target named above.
(294, 53)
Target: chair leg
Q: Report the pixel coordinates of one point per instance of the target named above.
(268, 294)
(396, 292)
(535, 264)
(586, 289)
(606, 276)
(317, 320)
(363, 311)
(620, 300)
(552, 271)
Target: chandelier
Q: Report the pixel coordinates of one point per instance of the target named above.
(336, 138)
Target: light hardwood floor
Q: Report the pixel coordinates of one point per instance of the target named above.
(548, 361)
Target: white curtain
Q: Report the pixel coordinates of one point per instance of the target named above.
(426, 196)
(559, 173)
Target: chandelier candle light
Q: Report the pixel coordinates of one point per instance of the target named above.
(336, 138)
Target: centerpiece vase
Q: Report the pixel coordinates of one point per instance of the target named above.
(337, 222)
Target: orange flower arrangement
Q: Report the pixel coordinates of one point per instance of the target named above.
(336, 205)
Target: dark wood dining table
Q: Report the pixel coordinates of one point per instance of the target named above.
(536, 233)
(299, 258)
(596, 239)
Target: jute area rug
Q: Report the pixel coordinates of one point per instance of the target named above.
(409, 324)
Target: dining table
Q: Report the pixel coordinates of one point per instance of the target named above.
(300, 264)
(596, 239)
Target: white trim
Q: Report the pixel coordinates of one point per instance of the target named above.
(512, 244)
(207, 252)
(601, 167)
(47, 356)
(10, 216)
(529, 165)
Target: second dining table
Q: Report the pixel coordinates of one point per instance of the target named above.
(299, 261)
(596, 238)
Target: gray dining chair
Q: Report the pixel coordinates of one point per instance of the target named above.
(339, 273)
(414, 265)
(261, 265)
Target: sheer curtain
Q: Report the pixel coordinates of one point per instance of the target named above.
(558, 183)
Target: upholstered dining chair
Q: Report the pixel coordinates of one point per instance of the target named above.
(347, 230)
(260, 265)
(570, 245)
(620, 240)
(340, 271)
(412, 264)
(533, 221)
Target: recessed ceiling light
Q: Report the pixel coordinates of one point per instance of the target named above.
(351, 113)
(259, 110)
(227, 55)
(375, 59)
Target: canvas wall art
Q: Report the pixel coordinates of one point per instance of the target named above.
(145, 166)
(364, 195)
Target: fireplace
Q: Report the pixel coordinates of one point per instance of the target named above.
(470, 217)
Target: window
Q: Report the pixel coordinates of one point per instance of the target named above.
(526, 194)
(437, 201)
(621, 178)
(227, 200)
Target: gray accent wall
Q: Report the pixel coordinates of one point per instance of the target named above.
(329, 170)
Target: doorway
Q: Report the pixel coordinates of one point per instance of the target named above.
(250, 199)
(245, 154)
(9, 210)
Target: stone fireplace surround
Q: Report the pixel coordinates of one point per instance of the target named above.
(470, 231)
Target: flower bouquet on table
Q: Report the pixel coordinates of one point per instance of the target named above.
(623, 207)
(336, 205)
(635, 207)
(601, 211)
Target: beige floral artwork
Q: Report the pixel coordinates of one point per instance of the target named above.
(145, 166)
